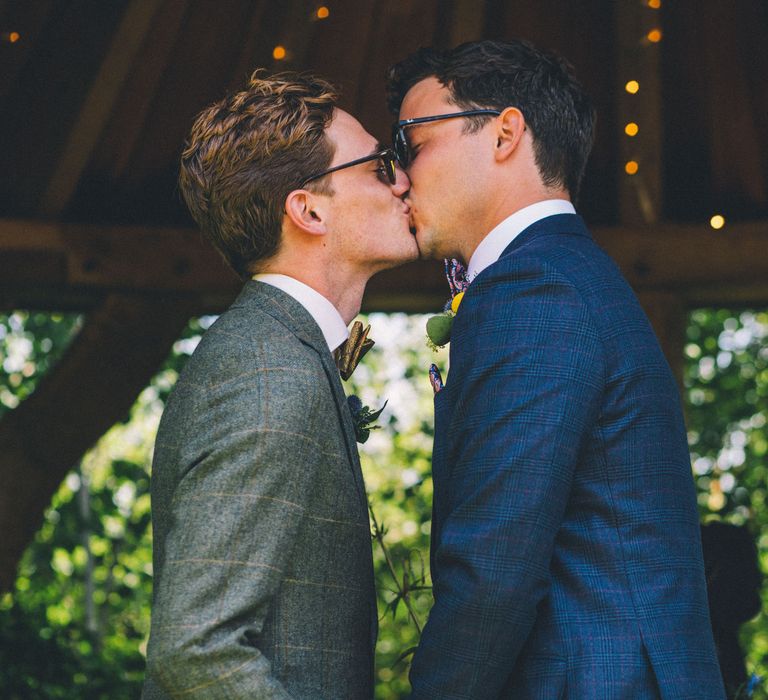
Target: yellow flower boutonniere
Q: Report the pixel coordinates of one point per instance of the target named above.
(456, 302)
(439, 327)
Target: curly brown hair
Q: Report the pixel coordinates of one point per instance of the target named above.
(246, 153)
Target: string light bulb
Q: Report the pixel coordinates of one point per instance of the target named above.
(632, 87)
(10, 37)
(631, 129)
(631, 167)
(717, 221)
(654, 4)
(278, 53)
(654, 36)
(323, 12)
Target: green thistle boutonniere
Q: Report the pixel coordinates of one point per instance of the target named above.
(363, 417)
(439, 327)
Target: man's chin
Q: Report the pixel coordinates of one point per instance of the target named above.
(430, 249)
(411, 256)
(426, 248)
(414, 250)
(403, 258)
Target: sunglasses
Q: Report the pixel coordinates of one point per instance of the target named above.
(387, 170)
(402, 148)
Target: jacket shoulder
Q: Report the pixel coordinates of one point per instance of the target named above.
(245, 341)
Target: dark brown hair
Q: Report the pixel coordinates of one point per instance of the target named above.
(500, 74)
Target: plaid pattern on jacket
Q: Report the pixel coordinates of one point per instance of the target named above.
(263, 571)
(566, 555)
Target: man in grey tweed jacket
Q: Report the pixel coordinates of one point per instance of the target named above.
(262, 557)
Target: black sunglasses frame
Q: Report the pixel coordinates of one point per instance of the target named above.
(386, 155)
(400, 140)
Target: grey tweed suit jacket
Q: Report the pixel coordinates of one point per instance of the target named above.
(263, 576)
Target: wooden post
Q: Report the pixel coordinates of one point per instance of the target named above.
(121, 346)
(638, 37)
(639, 33)
(667, 313)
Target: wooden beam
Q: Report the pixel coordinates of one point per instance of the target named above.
(139, 91)
(696, 261)
(667, 314)
(467, 21)
(41, 260)
(98, 106)
(111, 360)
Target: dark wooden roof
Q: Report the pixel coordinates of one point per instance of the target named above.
(98, 96)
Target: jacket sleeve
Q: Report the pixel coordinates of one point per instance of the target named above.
(247, 477)
(524, 388)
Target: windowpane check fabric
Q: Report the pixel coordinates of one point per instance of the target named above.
(566, 555)
(263, 575)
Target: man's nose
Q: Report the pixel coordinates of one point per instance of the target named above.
(402, 182)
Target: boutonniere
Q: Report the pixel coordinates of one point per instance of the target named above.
(363, 418)
(439, 326)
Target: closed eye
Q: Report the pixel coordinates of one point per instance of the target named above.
(381, 173)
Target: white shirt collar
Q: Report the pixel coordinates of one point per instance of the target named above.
(325, 314)
(493, 245)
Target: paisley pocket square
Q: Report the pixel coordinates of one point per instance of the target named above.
(435, 379)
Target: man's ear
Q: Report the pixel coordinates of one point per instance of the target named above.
(306, 212)
(510, 126)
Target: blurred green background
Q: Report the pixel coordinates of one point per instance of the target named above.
(75, 624)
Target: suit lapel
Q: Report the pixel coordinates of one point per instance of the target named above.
(298, 320)
(345, 417)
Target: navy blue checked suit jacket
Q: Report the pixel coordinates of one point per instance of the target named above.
(566, 555)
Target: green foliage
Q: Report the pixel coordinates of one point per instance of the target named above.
(76, 623)
(30, 343)
(363, 417)
(53, 644)
(726, 385)
(398, 469)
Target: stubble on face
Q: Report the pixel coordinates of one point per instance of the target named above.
(370, 217)
(438, 172)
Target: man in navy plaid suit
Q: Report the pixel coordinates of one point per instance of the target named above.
(566, 555)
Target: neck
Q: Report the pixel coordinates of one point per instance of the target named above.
(342, 288)
(503, 206)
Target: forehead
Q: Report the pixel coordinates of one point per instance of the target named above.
(428, 97)
(349, 138)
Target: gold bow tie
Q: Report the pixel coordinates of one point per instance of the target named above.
(352, 350)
